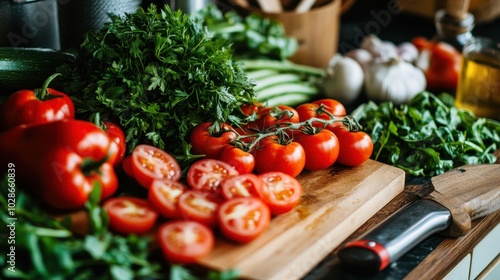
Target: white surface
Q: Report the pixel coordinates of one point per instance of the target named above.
(485, 252)
(461, 271)
(493, 273)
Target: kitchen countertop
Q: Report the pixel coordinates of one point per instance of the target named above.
(433, 258)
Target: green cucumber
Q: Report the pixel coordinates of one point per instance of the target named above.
(28, 68)
(290, 99)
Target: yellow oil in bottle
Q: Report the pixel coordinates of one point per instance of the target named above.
(479, 85)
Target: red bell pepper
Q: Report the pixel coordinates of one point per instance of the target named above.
(36, 106)
(60, 161)
(440, 62)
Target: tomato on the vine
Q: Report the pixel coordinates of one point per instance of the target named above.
(322, 149)
(242, 161)
(163, 196)
(130, 214)
(243, 185)
(270, 155)
(280, 192)
(150, 163)
(184, 242)
(199, 206)
(243, 219)
(356, 147)
(272, 116)
(208, 174)
(208, 143)
(312, 110)
(249, 109)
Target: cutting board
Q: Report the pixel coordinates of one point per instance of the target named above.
(335, 202)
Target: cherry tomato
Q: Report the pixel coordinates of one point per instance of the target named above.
(243, 219)
(129, 215)
(127, 166)
(208, 174)
(333, 106)
(243, 185)
(312, 110)
(356, 147)
(272, 116)
(281, 192)
(322, 149)
(242, 161)
(117, 136)
(163, 196)
(199, 206)
(184, 242)
(205, 143)
(249, 109)
(150, 163)
(289, 158)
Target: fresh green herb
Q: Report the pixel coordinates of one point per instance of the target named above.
(251, 36)
(429, 135)
(158, 74)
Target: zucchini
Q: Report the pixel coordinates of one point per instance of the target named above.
(28, 68)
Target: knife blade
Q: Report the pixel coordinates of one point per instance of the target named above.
(458, 197)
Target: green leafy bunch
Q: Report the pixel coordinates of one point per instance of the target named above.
(251, 36)
(429, 135)
(158, 73)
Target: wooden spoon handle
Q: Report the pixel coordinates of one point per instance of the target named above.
(304, 6)
(270, 6)
(457, 8)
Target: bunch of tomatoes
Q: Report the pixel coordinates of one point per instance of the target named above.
(245, 177)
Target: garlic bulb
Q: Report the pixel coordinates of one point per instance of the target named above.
(344, 79)
(361, 56)
(395, 80)
(382, 50)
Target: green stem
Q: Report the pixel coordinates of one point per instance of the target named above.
(43, 92)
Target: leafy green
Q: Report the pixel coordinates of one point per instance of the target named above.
(158, 73)
(251, 36)
(429, 135)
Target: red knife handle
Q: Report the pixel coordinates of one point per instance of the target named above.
(395, 236)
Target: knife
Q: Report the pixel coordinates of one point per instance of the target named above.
(458, 197)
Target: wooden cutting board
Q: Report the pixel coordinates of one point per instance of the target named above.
(335, 202)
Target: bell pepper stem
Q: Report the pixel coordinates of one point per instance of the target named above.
(42, 92)
(89, 165)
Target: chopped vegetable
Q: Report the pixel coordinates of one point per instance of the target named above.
(429, 135)
(159, 74)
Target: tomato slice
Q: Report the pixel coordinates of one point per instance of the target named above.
(163, 196)
(130, 214)
(243, 219)
(243, 185)
(281, 192)
(208, 174)
(150, 163)
(199, 206)
(185, 242)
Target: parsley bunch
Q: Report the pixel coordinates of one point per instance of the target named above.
(429, 135)
(158, 73)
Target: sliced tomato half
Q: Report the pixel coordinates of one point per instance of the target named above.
(163, 196)
(130, 214)
(243, 185)
(281, 192)
(208, 174)
(243, 219)
(185, 242)
(200, 206)
(151, 163)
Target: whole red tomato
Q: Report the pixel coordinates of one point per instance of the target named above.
(242, 161)
(329, 108)
(271, 155)
(119, 143)
(322, 149)
(356, 147)
(206, 141)
(272, 116)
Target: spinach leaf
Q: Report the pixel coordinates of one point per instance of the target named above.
(429, 135)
